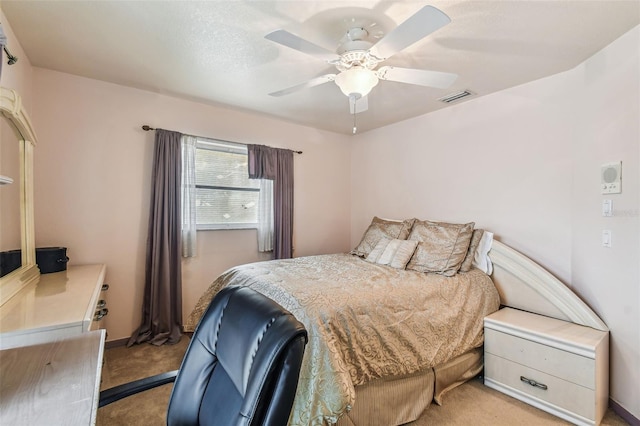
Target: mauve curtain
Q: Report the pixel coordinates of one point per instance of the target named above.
(276, 164)
(162, 307)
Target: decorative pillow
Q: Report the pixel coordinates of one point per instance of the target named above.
(481, 258)
(442, 246)
(395, 253)
(467, 263)
(391, 229)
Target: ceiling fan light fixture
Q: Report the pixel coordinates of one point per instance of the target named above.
(356, 81)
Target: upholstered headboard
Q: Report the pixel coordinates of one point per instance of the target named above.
(525, 285)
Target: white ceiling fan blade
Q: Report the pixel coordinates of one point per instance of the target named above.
(421, 24)
(437, 79)
(292, 41)
(307, 84)
(358, 106)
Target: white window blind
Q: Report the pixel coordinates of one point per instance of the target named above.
(225, 196)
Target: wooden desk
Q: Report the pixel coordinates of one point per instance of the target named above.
(55, 383)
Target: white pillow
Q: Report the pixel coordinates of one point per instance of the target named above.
(481, 258)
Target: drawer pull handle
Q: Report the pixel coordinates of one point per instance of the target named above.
(99, 314)
(101, 303)
(105, 287)
(533, 383)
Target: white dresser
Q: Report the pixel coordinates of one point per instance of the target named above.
(59, 304)
(555, 365)
(50, 359)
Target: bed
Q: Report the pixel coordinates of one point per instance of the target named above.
(397, 322)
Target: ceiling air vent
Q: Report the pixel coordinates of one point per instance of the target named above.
(453, 97)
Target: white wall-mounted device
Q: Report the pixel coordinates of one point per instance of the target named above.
(610, 178)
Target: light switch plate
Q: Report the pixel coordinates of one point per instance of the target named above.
(607, 208)
(606, 238)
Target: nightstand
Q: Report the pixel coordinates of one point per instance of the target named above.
(557, 366)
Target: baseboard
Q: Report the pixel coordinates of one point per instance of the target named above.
(122, 342)
(620, 410)
(116, 343)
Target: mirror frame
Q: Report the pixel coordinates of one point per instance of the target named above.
(11, 108)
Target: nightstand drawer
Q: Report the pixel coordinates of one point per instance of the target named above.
(557, 366)
(552, 361)
(569, 396)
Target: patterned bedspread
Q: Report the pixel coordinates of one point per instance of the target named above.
(364, 321)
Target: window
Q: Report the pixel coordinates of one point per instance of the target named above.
(225, 196)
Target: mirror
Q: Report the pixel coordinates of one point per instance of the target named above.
(10, 161)
(17, 226)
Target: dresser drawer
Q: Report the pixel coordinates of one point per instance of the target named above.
(552, 361)
(560, 393)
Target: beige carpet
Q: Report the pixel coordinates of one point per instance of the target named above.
(469, 404)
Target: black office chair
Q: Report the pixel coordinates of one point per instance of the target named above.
(241, 367)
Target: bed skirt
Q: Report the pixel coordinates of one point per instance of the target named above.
(399, 400)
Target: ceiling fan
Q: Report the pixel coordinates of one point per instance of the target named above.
(357, 58)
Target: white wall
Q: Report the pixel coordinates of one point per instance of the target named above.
(16, 77)
(92, 180)
(525, 164)
(502, 161)
(607, 102)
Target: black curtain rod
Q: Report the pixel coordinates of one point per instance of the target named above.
(146, 128)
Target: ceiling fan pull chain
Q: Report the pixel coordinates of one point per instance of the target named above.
(354, 99)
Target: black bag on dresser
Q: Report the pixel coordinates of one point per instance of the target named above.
(51, 259)
(10, 261)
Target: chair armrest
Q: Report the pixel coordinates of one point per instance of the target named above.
(116, 393)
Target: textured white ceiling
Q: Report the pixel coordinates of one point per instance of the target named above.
(215, 51)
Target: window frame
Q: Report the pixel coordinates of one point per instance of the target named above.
(235, 148)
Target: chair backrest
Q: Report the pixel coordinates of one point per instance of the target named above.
(242, 365)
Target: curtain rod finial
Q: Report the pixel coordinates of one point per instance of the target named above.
(147, 128)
